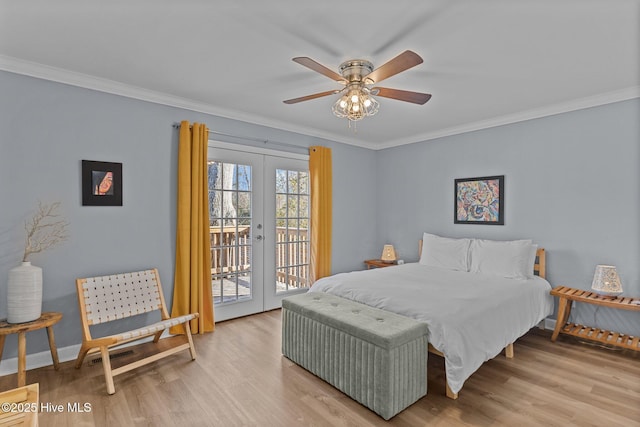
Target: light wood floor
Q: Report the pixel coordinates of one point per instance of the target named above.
(240, 378)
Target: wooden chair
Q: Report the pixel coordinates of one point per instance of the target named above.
(24, 406)
(107, 298)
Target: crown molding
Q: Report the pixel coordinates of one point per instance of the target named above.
(546, 111)
(33, 69)
(86, 81)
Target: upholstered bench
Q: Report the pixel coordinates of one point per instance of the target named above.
(376, 357)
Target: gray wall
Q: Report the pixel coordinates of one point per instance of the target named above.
(47, 128)
(556, 191)
(572, 183)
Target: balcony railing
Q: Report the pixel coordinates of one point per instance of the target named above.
(231, 253)
(230, 249)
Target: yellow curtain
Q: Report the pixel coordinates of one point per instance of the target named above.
(192, 281)
(320, 172)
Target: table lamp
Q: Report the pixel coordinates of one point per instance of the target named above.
(606, 281)
(388, 254)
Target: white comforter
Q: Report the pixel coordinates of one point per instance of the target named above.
(471, 316)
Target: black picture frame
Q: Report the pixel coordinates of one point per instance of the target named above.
(101, 183)
(479, 200)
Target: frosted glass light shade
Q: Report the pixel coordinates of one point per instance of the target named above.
(606, 281)
(388, 254)
(356, 104)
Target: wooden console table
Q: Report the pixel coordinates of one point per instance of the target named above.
(617, 339)
(46, 320)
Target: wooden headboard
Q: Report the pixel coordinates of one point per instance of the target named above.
(539, 265)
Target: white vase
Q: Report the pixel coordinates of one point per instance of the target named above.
(24, 293)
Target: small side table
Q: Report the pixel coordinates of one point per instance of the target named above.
(566, 295)
(46, 320)
(378, 263)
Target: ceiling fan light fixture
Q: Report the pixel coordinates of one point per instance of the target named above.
(356, 105)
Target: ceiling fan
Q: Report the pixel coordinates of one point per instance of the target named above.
(358, 77)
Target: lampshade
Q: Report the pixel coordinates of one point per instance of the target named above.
(356, 104)
(388, 254)
(606, 281)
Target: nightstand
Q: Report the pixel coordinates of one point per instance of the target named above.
(377, 263)
(567, 295)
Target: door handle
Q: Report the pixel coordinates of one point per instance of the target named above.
(259, 237)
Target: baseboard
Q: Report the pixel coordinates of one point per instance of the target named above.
(547, 324)
(65, 354)
(550, 324)
(38, 360)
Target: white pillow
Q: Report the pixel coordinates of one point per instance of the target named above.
(511, 259)
(443, 252)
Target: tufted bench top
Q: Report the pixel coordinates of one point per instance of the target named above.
(382, 328)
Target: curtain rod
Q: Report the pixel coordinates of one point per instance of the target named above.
(249, 138)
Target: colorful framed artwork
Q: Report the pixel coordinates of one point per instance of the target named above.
(479, 200)
(101, 183)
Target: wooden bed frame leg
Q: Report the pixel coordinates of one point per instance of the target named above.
(508, 351)
(450, 394)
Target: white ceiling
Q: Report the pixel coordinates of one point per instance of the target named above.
(486, 62)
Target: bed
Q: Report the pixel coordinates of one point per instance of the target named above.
(476, 296)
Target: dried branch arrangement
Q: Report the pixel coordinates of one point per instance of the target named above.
(44, 230)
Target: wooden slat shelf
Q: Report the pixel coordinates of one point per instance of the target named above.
(589, 297)
(566, 294)
(603, 336)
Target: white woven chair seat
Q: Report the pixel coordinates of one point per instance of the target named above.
(156, 327)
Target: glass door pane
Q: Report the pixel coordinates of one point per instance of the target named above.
(235, 215)
(292, 230)
(287, 210)
(230, 225)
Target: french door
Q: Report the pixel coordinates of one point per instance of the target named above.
(259, 221)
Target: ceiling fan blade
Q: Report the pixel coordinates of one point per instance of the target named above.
(401, 95)
(319, 68)
(309, 97)
(400, 63)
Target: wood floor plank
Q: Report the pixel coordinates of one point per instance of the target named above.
(241, 378)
